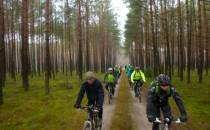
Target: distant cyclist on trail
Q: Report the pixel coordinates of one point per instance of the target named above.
(116, 72)
(137, 76)
(94, 91)
(160, 90)
(110, 80)
(130, 71)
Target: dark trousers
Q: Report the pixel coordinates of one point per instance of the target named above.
(112, 85)
(166, 110)
(137, 84)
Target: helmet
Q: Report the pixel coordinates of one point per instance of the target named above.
(137, 68)
(89, 75)
(110, 69)
(163, 79)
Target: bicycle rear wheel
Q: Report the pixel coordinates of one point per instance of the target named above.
(109, 98)
(162, 126)
(139, 96)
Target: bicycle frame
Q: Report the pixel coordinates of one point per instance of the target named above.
(138, 85)
(92, 123)
(110, 93)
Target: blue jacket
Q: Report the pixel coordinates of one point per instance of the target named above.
(95, 93)
(130, 71)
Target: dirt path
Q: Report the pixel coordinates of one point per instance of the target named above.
(109, 110)
(138, 111)
(139, 114)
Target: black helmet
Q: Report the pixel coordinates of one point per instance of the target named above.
(163, 79)
(137, 68)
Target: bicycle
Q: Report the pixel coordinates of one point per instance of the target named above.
(164, 125)
(109, 93)
(93, 123)
(138, 84)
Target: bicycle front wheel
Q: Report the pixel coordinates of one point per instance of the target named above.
(87, 126)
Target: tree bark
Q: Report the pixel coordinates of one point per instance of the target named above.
(47, 55)
(25, 44)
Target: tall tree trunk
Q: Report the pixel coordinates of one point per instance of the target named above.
(87, 37)
(201, 49)
(206, 38)
(189, 37)
(47, 55)
(79, 39)
(167, 39)
(25, 35)
(181, 48)
(153, 39)
(2, 51)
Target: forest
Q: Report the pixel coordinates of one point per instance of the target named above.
(173, 35)
(56, 36)
(46, 46)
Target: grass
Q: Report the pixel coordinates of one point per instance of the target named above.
(196, 99)
(33, 110)
(122, 119)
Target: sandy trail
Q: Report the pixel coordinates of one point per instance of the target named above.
(109, 110)
(139, 113)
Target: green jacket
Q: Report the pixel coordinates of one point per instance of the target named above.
(137, 76)
(109, 78)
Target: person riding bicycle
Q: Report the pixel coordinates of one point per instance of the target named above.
(137, 77)
(127, 69)
(110, 80)
(157, 99)
(116, 72)
(94, 91)
(130, 71)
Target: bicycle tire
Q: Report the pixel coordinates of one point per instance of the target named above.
(87, 126)
(109, 99)
(139, 98)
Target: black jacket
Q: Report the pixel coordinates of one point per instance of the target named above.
(95, 93)
(161, 99)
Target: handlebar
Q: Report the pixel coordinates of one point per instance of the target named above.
(90, 108)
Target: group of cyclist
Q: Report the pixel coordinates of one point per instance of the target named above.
(157, 98)
(135, 76)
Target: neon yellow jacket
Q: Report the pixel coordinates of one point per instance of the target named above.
(109, 78)
(137, 76)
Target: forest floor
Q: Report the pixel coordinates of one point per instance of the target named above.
(33, 110)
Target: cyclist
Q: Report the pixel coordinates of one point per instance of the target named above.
(160, 90)
(116, 72)
(137, 76)
(95, 94)
(130, 71)
(126, 69)
(110, 80)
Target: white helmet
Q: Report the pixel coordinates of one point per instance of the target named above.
(110, 69)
